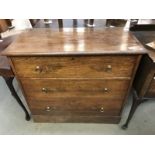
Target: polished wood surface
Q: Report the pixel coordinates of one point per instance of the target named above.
(107, 66)
(75, 75)
(74, 42)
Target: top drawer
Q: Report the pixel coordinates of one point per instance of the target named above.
(74, 66)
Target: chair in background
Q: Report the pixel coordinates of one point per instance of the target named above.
(61, 23)
(5, 68)
(87, 23)
(34, 21)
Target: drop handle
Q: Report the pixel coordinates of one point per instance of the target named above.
(38, 69)
(106, 90)
(102, 109)
(108, 68)
(46, 90)
(48, 109)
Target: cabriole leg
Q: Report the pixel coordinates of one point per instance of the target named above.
(9, 82)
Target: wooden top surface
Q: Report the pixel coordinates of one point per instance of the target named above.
(69, 41)
(145, 37)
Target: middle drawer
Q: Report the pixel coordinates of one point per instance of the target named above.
(46, 89)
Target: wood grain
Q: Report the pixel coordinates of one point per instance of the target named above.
(75, 75)
(76, 119)
(75, 66)
(74, 42)
(79, 105)
(74, 88)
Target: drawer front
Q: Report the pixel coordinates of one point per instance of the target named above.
(46, 89)
(74, 67)
(82, 106)
(151, 89)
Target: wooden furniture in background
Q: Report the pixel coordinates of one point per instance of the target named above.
(116, 22)
(5, 68)
(142, 25)
(144, 83)
(5, 24)
(81, 75)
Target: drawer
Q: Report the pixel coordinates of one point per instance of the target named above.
(151, 90)
(46, 89)
(82, 106)
(74, 66)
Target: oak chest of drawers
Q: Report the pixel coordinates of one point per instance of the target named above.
(75, 75)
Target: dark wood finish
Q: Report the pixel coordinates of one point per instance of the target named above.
(144, 76)
(9, 82)
(144, 25)
(75, 75)
(136, 102)
(144, 84)
(78, 42)
(60, 22)
(91, 21)
(151, 89)
(4, 26)
(107, 66)
(116, 22)
(5, 69)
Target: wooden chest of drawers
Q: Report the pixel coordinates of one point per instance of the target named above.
(75, 75)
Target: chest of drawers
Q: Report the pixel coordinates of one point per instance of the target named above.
(75, 75)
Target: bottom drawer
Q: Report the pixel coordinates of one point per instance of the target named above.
(76, 119)
(80, 106)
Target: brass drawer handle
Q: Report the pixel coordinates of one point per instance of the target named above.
(46, 90)
(106, 90)
(48, 108)
(102, 109)
(108, 68)
(38, 69)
